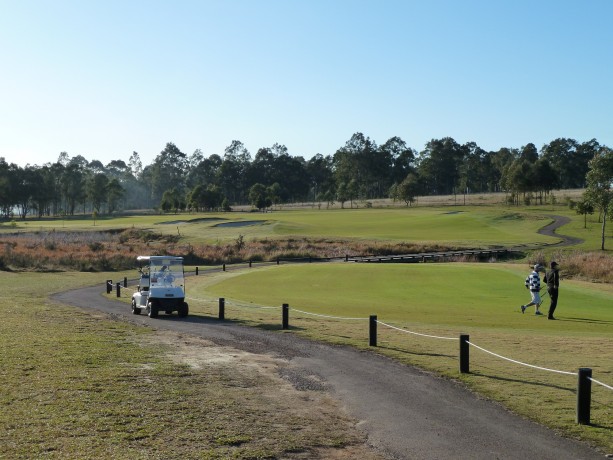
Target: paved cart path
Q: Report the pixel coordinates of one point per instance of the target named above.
(405, 413)
(550, 230)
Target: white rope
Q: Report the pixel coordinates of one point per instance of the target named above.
(252, 306)
(417, 333)
(327, 316)
(600, 383)
(199, 300)
(519, 362)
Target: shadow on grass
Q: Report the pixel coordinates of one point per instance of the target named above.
(408, 352)
(203, 319)
(585, 320)
(525, 381)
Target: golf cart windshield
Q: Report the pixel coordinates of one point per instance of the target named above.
(166, 272)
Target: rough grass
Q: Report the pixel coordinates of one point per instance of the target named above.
(446, 300)
(74, 384)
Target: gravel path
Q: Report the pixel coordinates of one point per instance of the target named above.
(404, 412)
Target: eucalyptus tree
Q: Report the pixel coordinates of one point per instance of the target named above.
(258, 197)
(205, 197)
(401, 156)
(290, 173)
(73, 186)
(569, 159)
(319, 170)
(500, 162)
(361, 160)
(232, 172)
(599, 190)
(168, 171)
(409, 189)
(97, 190)
(136, 165)
(114, 192)
(439, 166)
(7, 198)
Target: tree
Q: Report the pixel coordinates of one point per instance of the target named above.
(232, 173)
(408, 189)
(273, 193)
(439, 165)
(73, 186)
(320, 173)
(136, 165)
(584, 208)
(114, 192)
(342, 194)
(172, 200)
(168, 171)
(97, 191)
(599, 190)
(257, 196)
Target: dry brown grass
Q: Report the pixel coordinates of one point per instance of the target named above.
(105, 251)
(589, 266)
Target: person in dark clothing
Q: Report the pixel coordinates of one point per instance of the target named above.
(552, 278)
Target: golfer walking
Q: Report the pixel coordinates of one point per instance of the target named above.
(552, 278)
(533, 283)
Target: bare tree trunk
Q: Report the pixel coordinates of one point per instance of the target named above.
(604, 223)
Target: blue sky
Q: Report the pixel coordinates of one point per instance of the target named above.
(105, 78)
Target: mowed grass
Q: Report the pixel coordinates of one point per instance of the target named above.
(458, 226)
(77, 384)
(444, 300)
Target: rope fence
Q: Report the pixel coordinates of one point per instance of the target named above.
(584, 375)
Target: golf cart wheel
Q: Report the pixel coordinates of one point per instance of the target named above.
(152, 310)
(183, 310)
(135, 309)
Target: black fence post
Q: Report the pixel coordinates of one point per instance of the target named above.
(196, 271)
(285, 323)
(223, 267)
(372, 331)
(464, 354)
(277, 261)
(118, 289)
(584, 395)
(109, 286)
(249, 263)
(125, 281)
(346, 257)
(222, 308)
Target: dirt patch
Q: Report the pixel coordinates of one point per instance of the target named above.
(274, 380)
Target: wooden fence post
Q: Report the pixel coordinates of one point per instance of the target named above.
(285, 320)
(372, 331)
(222, 308)
(584, 395)
(464, 354)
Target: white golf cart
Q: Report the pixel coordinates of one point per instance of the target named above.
(161, 287)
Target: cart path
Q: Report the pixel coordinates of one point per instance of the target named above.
(404, 412)
(550, 230)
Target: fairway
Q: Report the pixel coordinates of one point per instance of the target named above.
(455, 295)
(465, 227)
(443, 300)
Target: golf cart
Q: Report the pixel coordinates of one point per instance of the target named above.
(161, 286)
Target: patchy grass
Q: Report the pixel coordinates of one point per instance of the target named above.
(78, 385)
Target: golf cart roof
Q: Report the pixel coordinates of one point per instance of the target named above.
(154, 258)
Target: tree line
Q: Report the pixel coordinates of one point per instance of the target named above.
(359, 170)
